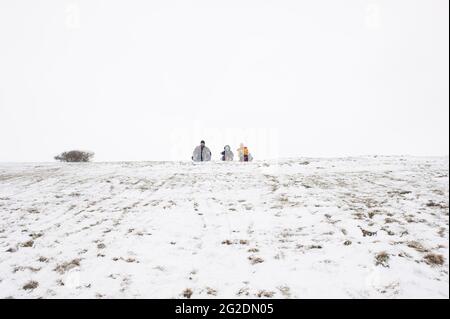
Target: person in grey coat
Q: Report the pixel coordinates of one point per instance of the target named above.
(201, 153)
(227, 154)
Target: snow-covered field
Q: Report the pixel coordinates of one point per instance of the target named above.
(365, 227)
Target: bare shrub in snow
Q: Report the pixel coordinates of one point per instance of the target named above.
(75, 156)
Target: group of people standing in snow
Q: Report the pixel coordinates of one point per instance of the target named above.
(203, 154)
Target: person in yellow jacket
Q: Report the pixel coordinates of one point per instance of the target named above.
(244, 154)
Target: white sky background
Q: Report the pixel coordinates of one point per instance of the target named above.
(146, 80)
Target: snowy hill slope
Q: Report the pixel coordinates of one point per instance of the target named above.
(361, 227)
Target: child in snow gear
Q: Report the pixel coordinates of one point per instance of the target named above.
(201, 153)
(240, 151)
(227, 154)
(244, 154)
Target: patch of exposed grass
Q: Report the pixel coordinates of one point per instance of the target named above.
(265, 293)
(33, 211)
(233, 242)
(31, 285)
(371, 214)
(43, 259)
(436, 205)
(382, 258)
(389, 220)
(211, 291)
(36, 235)
(131, 260)
(434, 259)
(417, 246)
(62, 268)
(32, 269)
(187, 293)
(243, 292)
(27, 244)
(255, 260)
(285, 291)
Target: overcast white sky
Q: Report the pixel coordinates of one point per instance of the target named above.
(146, 80)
